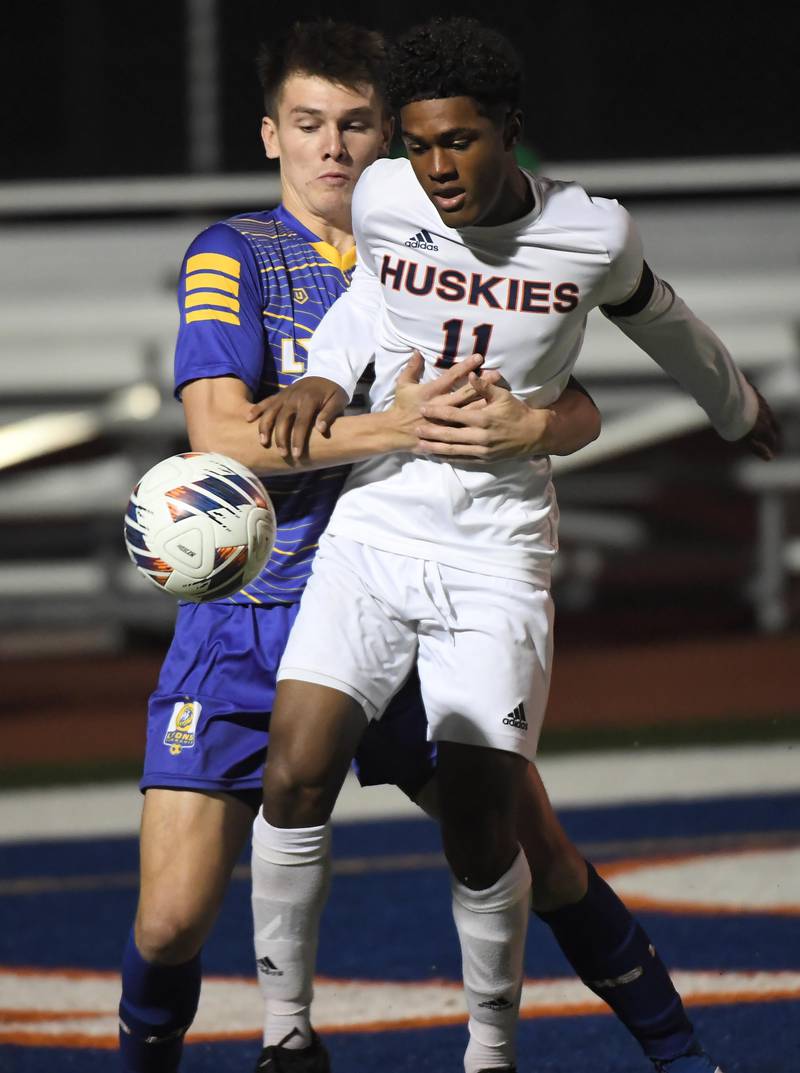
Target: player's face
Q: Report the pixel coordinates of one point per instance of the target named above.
(325, 136)
(462, 158)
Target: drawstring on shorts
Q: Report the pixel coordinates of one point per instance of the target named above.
(434, 586)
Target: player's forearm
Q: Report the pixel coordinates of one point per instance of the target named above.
(351, 439)
(572, 422)
(689, 351)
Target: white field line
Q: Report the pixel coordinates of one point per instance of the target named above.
(577, 779)
(79, 1008)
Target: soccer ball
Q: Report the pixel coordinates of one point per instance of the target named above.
(199, 526)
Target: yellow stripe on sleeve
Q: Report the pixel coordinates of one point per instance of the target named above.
(209, 298)
(212, 314)
(215, 262)
(200, 280)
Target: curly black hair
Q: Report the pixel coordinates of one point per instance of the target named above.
(454, 57)
(340, 52)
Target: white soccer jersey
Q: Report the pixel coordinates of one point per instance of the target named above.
(518, 293)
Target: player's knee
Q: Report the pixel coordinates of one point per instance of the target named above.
(297, 794)
(169, 935)
(308, 758)
(479, 846)
(478, 831)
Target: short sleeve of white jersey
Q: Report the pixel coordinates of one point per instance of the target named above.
(624, 250)
(344, 342)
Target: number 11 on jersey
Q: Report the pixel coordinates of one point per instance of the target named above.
(452, 337)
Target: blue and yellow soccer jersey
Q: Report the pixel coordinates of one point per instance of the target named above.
(251, 293)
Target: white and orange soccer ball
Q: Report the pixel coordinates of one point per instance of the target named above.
(199, 526)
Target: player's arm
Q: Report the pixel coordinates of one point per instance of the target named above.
(219, 360)
(217, 411)
(496, 426)
(649, 312)
(501, 426)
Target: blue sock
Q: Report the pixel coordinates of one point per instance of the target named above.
(158, 1004)
(613, 955)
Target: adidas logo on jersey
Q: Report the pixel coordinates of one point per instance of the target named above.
(423, 240)
(517, 718)
(268, 967)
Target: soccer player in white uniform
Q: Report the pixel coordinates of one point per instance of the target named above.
(326, 122)
(449, 563)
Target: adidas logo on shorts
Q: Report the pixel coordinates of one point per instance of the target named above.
(423, 240)
(517, 718)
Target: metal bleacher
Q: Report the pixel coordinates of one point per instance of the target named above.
(87, 324)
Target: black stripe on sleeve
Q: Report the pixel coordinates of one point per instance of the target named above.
(638, 300)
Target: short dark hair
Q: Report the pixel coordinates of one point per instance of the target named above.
(340, 52)
(455, 57)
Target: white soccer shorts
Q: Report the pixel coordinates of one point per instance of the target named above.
(483, 644)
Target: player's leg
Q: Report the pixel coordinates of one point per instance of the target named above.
(314, 733)
(484, 659)
(206, 742)
(190, 842)
(396, 750)
(561, 871)
(478, 831)
(317, 723)
(605, 945)
(490, 883)
(183, 879)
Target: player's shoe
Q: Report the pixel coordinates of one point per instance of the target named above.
(695, 1061)
(279, 1059)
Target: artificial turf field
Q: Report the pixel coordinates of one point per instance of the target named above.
(705, 844)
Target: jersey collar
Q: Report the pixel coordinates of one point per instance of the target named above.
(343, 261)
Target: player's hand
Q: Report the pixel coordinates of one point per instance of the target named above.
(287, 419)
(764, 438)
(495, 427)
(453, 385)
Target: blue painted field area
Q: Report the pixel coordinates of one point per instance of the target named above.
(66, 908)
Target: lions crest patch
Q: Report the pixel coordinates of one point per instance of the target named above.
(182, 726)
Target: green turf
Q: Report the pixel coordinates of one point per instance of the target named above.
(12, 778)
(663, 735)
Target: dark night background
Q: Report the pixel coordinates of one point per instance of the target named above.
(92, 88)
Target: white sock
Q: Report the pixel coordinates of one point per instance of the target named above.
(291, 876)
(491, 925)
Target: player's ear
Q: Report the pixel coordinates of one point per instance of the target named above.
(512, 129)
(269, 136)
(387, 133)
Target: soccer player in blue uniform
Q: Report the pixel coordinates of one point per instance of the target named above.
(252, 290)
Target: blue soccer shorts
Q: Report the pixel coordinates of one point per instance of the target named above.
(208, 719)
